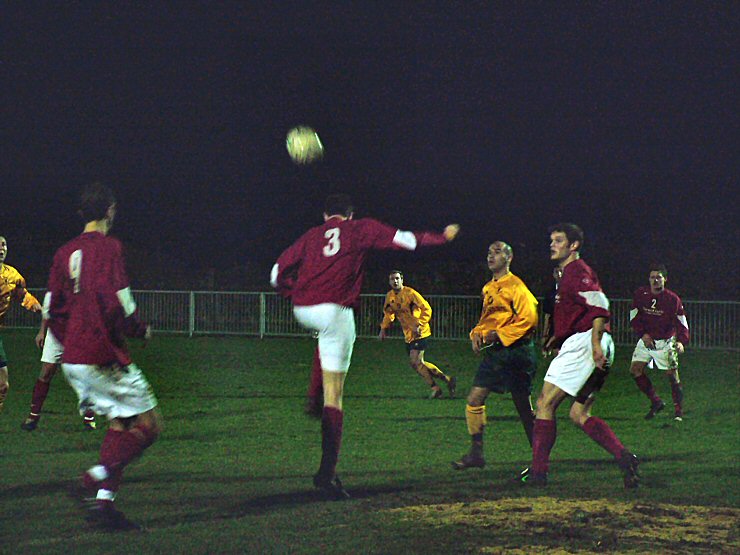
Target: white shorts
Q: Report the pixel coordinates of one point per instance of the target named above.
(112, 391)
(53, 349)
(336, 327)
(575, 362)
(664, 356)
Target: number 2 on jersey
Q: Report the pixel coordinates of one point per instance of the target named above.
(332, 247)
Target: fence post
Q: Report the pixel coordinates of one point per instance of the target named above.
(191, 314)
(263, 314)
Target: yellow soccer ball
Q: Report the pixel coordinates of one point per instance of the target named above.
(304, 145)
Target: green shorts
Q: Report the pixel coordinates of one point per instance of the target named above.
(3, 356)
(508, 369)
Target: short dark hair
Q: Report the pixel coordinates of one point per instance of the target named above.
(338, 205)
(658, 267)
(572, 232)
(95, 199)
(399, 272)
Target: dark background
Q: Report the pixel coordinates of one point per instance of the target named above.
(621, 117)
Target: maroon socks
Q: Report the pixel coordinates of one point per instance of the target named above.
(40, 391)
(601, 433)
(331, 440)
(646, 386)
(544, 434)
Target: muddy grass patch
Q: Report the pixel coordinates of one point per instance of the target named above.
(583, 526)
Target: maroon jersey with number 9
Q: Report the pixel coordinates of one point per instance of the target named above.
(89, 303)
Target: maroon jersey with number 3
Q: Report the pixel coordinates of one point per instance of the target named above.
(326, 264)
(89, 303)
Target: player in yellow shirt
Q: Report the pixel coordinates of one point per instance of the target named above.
(12, 287)
(413, 312)
(505, 335)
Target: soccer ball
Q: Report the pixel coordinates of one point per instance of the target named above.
(304, 145)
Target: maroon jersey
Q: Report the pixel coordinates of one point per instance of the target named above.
(579, 301)
(326, 264)
(661, 316)
(89, 303)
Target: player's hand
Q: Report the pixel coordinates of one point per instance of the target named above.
(451, 231)
(36, 307)
(147, 335)
(679, 347)
(417, 331)
(39, 339)
(476, 341)
(544, 345)
(648, 341)
(599, 358)
(381, 335)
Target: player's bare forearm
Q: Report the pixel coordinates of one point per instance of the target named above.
(597, 332)
(648, 341)
(41, 335)
(476, 341)
(598, 328)
(147, 335)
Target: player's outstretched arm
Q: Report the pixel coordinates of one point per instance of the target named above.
(377, 235)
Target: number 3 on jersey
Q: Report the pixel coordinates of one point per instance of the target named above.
(332, 247)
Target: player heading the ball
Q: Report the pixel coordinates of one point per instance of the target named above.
(322, 273)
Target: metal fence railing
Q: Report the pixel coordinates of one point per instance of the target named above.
(714, 324)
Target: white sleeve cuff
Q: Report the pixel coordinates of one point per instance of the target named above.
(405, 240)
(127, 301)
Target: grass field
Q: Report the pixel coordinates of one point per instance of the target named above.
(232, 470)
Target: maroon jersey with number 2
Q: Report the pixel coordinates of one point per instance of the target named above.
(661, 316)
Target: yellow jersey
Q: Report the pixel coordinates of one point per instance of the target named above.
(412, 311)
(13, 286)
(509, 309)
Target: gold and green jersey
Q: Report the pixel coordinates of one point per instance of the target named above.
(13, 286)
(411, 310)
(509, 309)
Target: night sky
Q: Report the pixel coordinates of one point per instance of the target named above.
(619, 117)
